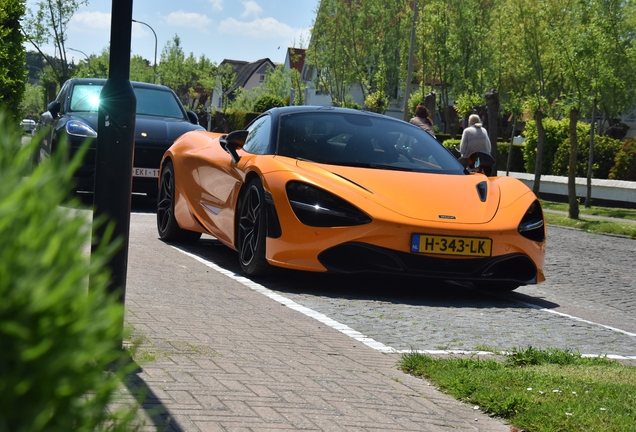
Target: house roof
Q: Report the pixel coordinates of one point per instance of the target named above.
(245, 70)
(296, 58)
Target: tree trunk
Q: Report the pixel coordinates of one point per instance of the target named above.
(512, 141)
(538, 118)
(574, 204)
(429, 102)
(590, 162)
(492, 103)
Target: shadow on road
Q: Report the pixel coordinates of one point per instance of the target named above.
(404, 290)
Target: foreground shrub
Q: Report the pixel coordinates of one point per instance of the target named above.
(57, 339)
(625, 162)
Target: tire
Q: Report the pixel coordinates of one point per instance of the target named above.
(167, 225)
(252, 230)
(496, 286)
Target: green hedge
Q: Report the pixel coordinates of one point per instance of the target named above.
(516, 163)
(605, 150)
(625, 162)
(56, 338)
(556, 131)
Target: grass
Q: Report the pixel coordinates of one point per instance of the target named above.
(590, 224)
(538, 390)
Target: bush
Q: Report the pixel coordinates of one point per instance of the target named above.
(266, 102)
(625, 162)
(556, 131)
(56, 339)
(517, 163)
(605, 149)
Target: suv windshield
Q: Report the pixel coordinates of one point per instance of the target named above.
(154, 102)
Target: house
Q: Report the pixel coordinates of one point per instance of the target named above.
(248, 76)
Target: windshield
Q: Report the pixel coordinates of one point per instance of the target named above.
(363, 141)
(150, 101)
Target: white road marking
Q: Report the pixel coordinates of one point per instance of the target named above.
(356, 335)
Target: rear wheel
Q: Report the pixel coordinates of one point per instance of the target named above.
(169, 229)
(252, 230)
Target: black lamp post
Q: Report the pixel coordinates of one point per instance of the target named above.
(88, 60)
(154, 65)
(114, 152)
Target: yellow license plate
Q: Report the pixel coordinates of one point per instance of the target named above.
(446, 245)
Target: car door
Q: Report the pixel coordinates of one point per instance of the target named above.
(221, 179)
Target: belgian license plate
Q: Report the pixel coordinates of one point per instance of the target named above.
(447, 245)
(145, 172)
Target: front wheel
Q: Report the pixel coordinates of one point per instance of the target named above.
(167, 225)
(252, 229)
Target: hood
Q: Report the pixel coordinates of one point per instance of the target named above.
(162, 129)
(422, 196)
(156, 129)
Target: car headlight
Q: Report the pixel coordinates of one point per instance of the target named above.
(80, 129)
(532, 225)
(316, 207)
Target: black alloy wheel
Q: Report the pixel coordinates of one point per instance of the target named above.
(167, 225)
(252, 229)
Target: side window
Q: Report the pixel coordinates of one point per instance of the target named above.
(257, 141)
(61, 97)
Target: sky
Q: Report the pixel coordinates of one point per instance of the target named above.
(246, 30)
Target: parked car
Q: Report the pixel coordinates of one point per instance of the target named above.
(332, 189)
(28, 126)
(160, 119)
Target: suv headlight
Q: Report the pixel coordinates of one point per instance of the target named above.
(80, 129)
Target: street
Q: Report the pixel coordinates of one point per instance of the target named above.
(586, 305)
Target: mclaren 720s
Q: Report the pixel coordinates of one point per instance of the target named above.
(325, 189)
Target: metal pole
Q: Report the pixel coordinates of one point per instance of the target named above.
(154, 65)
(114, 151)
(409, 73)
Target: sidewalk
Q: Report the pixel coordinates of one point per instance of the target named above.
(224, 357)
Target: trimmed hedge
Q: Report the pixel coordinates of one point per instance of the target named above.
(625, 162)
(556, 131)
(57, 338)
(605, 150)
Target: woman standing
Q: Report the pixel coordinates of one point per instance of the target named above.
(474, 139)
(423, 119)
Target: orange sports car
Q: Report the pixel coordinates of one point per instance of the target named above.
(332, 189)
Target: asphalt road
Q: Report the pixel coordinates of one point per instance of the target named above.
(587, 304)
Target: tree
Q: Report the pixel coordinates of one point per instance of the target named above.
(533, 26)
(191, 79)
(48, 25)
(33, 100)
(12, 56)
(353, 39)
(226, 78)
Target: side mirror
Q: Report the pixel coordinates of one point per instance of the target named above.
(54, 108)
(481, 162)
(233, 141)
(194, 119)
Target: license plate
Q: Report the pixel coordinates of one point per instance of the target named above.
(145, 172)
(446, 245)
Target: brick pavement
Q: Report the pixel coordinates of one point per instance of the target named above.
(225, 358)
